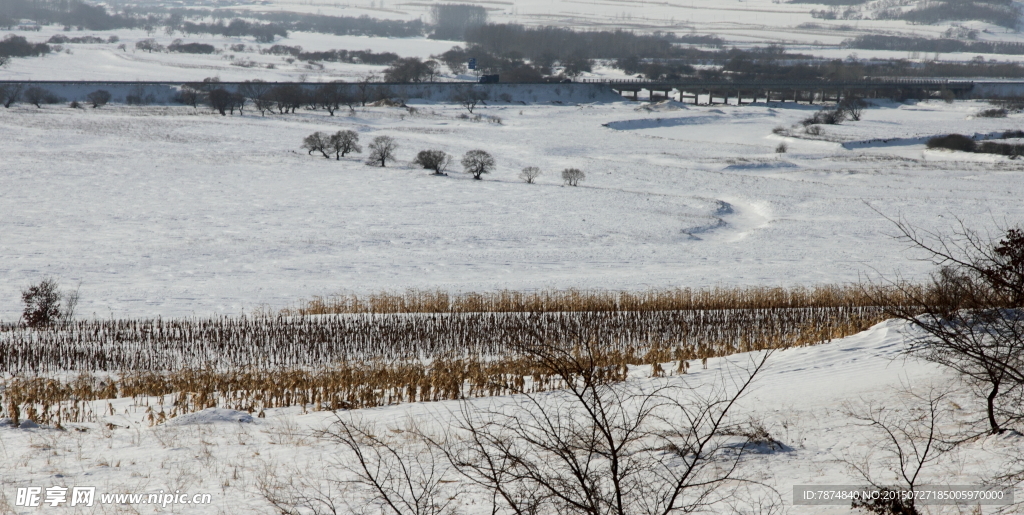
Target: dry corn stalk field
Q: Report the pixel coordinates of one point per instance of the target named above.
(351, 352)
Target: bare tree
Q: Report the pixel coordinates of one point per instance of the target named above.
(969, 313)
(407, 69)
(364, 88)
(287, 97)
(328, 96)
(477, 162)
(258, 92)
(10, 93)
(37, 96)
(98, 98)
(238, 101)
(343, 142)
(317, 142)
(191, 94)
(853, 107)
(529, 174)
(221, 100)
(602, 445)
(433, 68)
(149, 45)
(436, 160)
(382, 151)
(573, 176)
(469, 97)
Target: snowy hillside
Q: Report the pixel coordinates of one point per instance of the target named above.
(804, 399)
(173, 211)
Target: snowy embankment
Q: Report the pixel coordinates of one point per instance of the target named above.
(802, 398)
(172, 211)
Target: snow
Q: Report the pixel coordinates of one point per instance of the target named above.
(212, 416)
(743, 24)
(169, 211)
(803, 397)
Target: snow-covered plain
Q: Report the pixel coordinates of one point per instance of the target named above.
(742, 23)
(169, 211)
(166, 210)
(804, 398)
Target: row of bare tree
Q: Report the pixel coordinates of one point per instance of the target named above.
(12, 93)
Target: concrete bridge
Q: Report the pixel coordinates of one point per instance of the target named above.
(810, 91)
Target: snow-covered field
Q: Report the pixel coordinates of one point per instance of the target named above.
(158, 210)
(106, 61)
(804, 398)
(743, 24)
(169, 211)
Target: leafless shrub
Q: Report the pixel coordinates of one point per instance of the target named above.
(392, 473)
(530, 174)
(909, 439)
(782, 148)
(813, 130)
(826, 116)
(98, 98)
(310, 491)
(756, 434)
(994, 113)
(436, 160)
(1011, 104)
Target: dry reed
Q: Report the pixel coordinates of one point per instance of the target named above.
(378, 354)
(508, 301)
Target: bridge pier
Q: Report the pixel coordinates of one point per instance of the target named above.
(809, 91)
